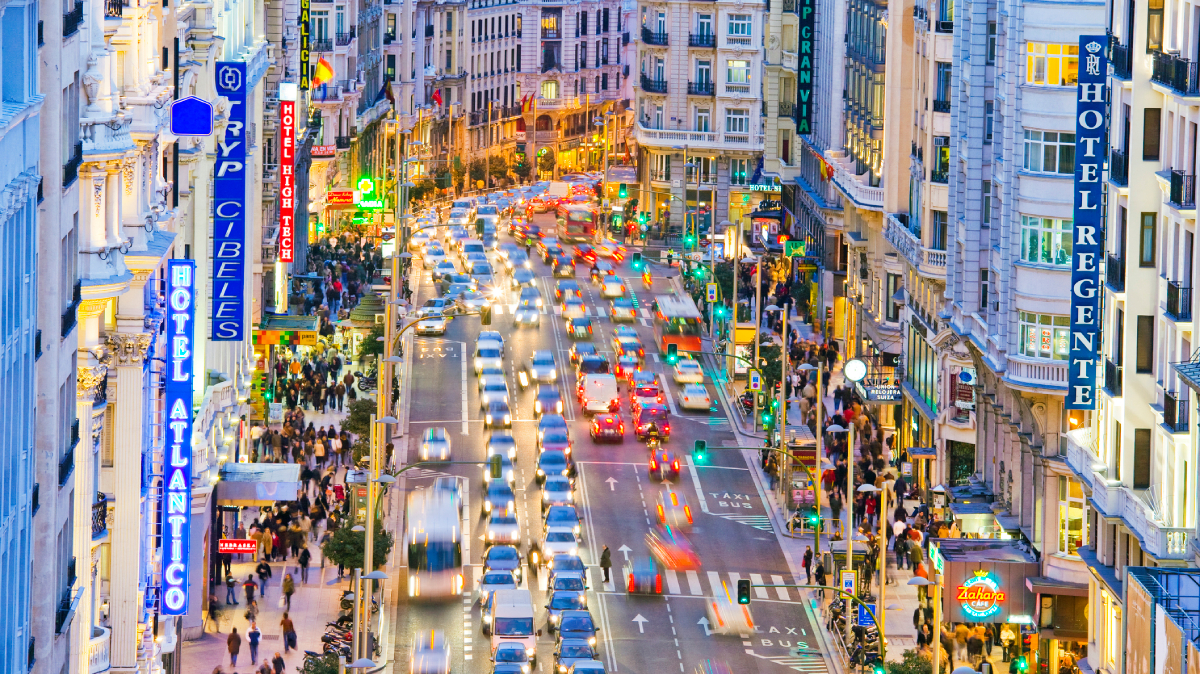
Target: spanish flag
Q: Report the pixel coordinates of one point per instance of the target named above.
(826, 169)
(323, 73)
(525, 103)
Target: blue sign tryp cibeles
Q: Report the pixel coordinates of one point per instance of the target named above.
(177, 473)
(229, 210)
(1087, 248)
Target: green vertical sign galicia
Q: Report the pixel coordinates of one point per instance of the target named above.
(807, 10)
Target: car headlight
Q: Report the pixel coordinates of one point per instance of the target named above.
(576, 528)
(554, 617)
(487, 506)
(512, 507)
(560, 407)
(592, 641)
(537, 406)
(574, 551)
(488, 418)
(491, 535)
(562, 668)
(553, 375)
(529, 652)
(540, 471)
(507, 419)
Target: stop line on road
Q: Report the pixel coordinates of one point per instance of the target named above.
(502, 308)
(673, 581)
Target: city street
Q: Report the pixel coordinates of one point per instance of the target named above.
(616, 497)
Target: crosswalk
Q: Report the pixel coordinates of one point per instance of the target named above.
(680, 583)
(589, 312)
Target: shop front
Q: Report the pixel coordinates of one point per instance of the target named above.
(282, 337)
(1062, 622)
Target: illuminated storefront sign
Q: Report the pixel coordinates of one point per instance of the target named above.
(229, 211)
(807, 9)
(177, 471)
(287, 171)
(980, 596)
(1088, 231)
(305, 48)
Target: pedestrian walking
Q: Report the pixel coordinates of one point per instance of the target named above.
(303, 560)
(606, 562)
(808, 558)
(820, 574)
(264, 572)
(289, 633)
(249, 587)
(277, 663)
(252, 638)
(234, 644)
(289, 588)
(214, 612)
(230, 592)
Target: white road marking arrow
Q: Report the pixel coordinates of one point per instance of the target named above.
(704, 622)
(624, 549)
(641, 621)
(612, 484)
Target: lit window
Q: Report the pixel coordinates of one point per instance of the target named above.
(737, 120)
(1072, 532)
(550, 89)
(1046, 240)
(1052, 64)
(1044, 336)
(737, 72)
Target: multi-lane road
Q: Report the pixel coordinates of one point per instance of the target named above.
(732, 534)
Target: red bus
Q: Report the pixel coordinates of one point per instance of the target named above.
(576, 223)
(677, 321)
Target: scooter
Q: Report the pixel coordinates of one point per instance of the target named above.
(646, 280)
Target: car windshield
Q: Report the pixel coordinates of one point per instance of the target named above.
(552, 460)
(487, 210)
(500, 491)
(435, 556)
(575, 651)
(579, 623)
(543, 360)
(566, 601)
(513, 627)
(593, 366)
(503, 553)
(489, 353)
(562, 515)
(560, 537)
(504, 519)
(568, 563)
(653, 413)
(481, 269)
(555, 436)
(498, 579)
(557, 484)
(647, 391)
(511, 654)
(574, 583)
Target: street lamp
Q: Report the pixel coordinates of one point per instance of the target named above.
(936, 637)
(882, 541)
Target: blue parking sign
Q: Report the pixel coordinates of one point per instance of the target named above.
(755, 380)
(191, 116)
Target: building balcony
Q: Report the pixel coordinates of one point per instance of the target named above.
(944, 26)
(941, 106)
(702, 41)
(1176, 73)
(98, 650)
(114, 9)
(702, 89)
(1114, 500)
(927, 261)
(70, 314)
(1113, 378)
(1175, 412)
(856, 188)
(654, 39)
(551, 34)
(1036, 374)
(653, 86)
(327, 93)
(343, 39)
(322, 45)
(99, 516)
(666, 139)
(1182, 191)
(738, 41)
(1179, 301)
(940, 176)
(1121, 58)
(71, 168)
(1118, 167)
(342, 142)
(1114, 274)
(787, 109)
(72, 20)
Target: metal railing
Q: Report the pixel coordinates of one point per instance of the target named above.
(113, 9)
(72, 20)
(37, 344)
(343, 39)
(36, 500)
(653, 86)
(1114, 273)
(551, 34)
(1118, 167)
(342, 142)
(1179, 301)
(787, 109)
(1183, 190)
(1121, 58)
(1112, 378)
(651, 37)
(63, 611)
(702, 89)
(389, 37)
(71, 168)
(941, 106)
(71, 575)
(1172, 70)
(550, 64)
(944, 27)
(939, 176)
(100, 516)
(69, 316)
(703, 40)
(1175, 412)
(322, 44)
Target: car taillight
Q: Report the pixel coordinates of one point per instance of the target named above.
(666, 428)
(662, 515)
(675, 465)
(658, 583)
(631, 582)
(687, 511)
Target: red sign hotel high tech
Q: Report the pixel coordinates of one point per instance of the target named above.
(287, 172)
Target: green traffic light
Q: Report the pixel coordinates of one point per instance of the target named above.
(700, 452)
(623, 191)
(878, 668)
(672, 353)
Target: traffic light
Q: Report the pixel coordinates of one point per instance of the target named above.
(479, 227)
(1020, 664)
(768, 419)
(814, 518)
(699, 272)
(622, 191)
(743, 591)
(700, 452)
(494, 466)
(635, 261)
(672, 354)
(878, 668)
(485, 316)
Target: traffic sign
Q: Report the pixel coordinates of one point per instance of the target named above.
(793, 248)
(936, 558)
(191, 116)
(755, 380)
(849, 580)
(712, 292)
(865, 611)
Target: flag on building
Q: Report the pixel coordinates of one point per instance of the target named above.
(526, 103)
(386, 92)
(437, 96)
(826, 169)
(323, 73)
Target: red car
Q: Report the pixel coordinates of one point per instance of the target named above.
(608, 427)
(585, 252)
(664, 466)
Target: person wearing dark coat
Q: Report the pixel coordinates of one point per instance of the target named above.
(606, 562)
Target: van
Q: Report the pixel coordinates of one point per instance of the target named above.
(511, 619)
(598, 393)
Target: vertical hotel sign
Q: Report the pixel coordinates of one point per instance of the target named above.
(1088, 232)
(305, 52)
(287, 171)
(807, 9)
(229, 211)
(177, 474)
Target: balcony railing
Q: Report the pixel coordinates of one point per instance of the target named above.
(71, 576)
(1114, 273)
(1112, 378)
(30, 659)
(98, 661)
(1179, 301)
(654, 86)
(941, 106)
(550, 64)
(702, 88)
(703, 40)
(787, 109)
(1121, 58)
(322, 44)
(37, 344)
(1183, 190)
(342, 142)
(66, 465)
(651, 37)
(100, 516)
(71, 168)
(70, 314)
(939, 176)
(1118, 167)
(72, 20)
(1175, 412)
(944, 27)
(1176, 72)
(63, 612)
(551, 34)
(113, 9)
(343, 39)
(389, 37)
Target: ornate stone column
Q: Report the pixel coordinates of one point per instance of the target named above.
(90, 382)
(112, 204)
(127, 351)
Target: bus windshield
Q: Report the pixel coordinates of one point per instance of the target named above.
(434, 556)
(579, 214)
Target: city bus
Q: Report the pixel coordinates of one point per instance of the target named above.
(677, 321)
(434, 543)
(576, 223)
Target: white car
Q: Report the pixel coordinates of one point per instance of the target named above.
(417, 241)
(435, 444)
(695, 397)
(502, 442)
(433, 255)
(433, 324)
(496, 580)
(487, 354)
(527, 313)
(673, 510)
(613, 287)
(607, 249)
(507, 472)
(435, 305)
(522, 278)
(503, 528)
(572, 307)
(491, 336)
(687, 371)
(443, 268)
(623, 310)
(475, 301)
(557, 490)
(430, 653)
(492, 388)
(558, 542)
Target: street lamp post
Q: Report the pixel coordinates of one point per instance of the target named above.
(820, 449)
(882, 542)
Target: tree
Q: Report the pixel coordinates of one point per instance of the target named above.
(345, 548)
(326, 663)
(359, 420)
(914, 662)
(422, 190)
(476, 169)
(372, 344)
(498, 167)
(547, 162)
(459, 171)
(522, 169)
(769, 364)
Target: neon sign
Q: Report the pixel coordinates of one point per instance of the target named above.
(980, 596)
(229, 211)
(177, 471)
(287, 172)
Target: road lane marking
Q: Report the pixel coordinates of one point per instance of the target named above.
(760, 592)
(781, 591)
(464, 386)
(694, 586)
(673, 582)
(714, 581)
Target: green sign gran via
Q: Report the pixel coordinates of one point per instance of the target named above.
(807, 9)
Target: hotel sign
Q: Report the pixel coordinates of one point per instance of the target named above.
(1088, 232)
(177, 471)
(305, 47)
(229, 211)
(807, 9)
(287, 172)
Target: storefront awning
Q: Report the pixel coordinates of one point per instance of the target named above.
(286, 330)
(1044, 585)
(922, 452)
(258, 484)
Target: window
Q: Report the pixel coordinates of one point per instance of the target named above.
(1052, 64)
(604, 81)
(989, 120)
(449, 59)
(991, 56)
(739, 24)
(661, 167)
(1151, 132)
(390, 75)
(892, 307)
(704, 24)
(1141, 458)
(940, 226)
(737, 120)
(1049, 152)
(604, 21)
(1044, 335)
(703, 119)
(1154, 25)
(1148, 240)
(986, 205)
(658, 116)
(1145, 344)
(737, 171)
(583, 23)
(449, 22)
(984, 289)
(662, 22)
(1072, 527)
(704, 72)
(737, 71)
(604, 52)
(550, 89)
(1045, 240)
(943, 85)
